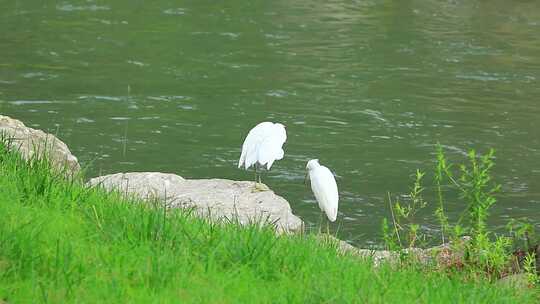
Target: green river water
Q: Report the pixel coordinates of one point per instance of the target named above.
(368, 87)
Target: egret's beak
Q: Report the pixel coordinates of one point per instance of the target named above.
(306, 178)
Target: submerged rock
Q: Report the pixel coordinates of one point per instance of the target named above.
(31, 143)
(214, 198)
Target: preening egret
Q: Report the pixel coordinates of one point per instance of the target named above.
(263, 145)
(324, 187)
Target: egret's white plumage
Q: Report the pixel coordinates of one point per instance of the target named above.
(324, 187)
(263, 145)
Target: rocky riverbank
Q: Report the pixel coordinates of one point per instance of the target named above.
(217, 199)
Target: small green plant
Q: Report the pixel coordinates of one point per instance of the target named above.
(529, 266)
(484, 252)
(488, 255)
(478, 190)
(406, 231)
(527, 249)
(442, 170)
(523, 233)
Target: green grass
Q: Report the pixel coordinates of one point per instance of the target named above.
(61, 242)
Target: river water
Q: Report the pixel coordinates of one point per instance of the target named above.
(367, 87)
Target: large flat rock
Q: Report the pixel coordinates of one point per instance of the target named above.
(216, 198)
(31, 142)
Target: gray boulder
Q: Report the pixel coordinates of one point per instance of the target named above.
(31, 142)
(519, 281)
(214, 198)
(377, 256)
(445, 255)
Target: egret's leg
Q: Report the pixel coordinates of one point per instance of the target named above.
(320, 223)
(328, 226)
(259, 187)
(262, 186)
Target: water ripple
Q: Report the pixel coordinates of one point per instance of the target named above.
(70, 7)
(175, 11)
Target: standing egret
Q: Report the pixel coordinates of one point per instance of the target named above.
(324, 187)
(263, 145)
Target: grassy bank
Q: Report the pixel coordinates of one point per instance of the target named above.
(61, 242)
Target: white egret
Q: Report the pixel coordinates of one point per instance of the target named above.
(263, 145)
(324, 187)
